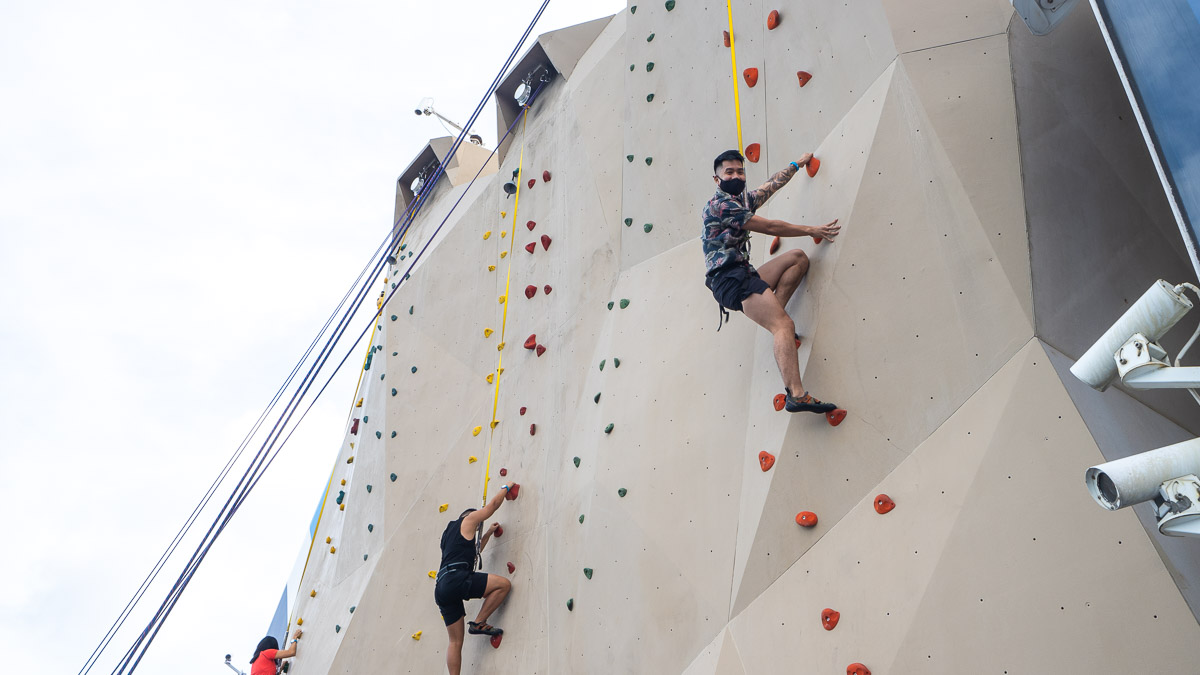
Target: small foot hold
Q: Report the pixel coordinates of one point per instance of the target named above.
(857, 669)
(835, 417)
(775, 244)
(511, 568)
(829, 618)
(483, 628)
(806, 519)
(799, 340)
(817, 240)
(496, 641)
(765, 461)
(779, 401)
(883, 504)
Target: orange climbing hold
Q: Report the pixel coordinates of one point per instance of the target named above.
(751, 75)
(804, 77)
(511, 568)
(779, 402)
(835, 417)
(806, 519)
(496, 640)
(766, 460)
(773, 20)
(531, 246)
(829, 618)
(541, 350)
(531, 341)
(814, 165)
(752, 151)
(532, 429)
(883, 504)
(530, 291)
(545, 176)
(857, 669)
(775, 244)
(726, 34)
(545, 242)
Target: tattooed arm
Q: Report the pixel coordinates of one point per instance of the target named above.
(781, 178)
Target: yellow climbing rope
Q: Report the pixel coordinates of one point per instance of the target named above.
(487, 472)
(737, 106)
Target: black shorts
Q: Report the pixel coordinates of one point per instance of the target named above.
(455, 587)
(731, 285)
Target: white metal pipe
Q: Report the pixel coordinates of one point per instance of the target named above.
(1135, 479)
(1187, 377)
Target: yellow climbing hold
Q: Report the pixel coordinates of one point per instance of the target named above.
(487, 332)
(443, 507)
(487, 234)
(359, 404)
(417, 635)
(350, 459)
(333, 549)
(489, 378)
(351, 447)
(342, 507)
(503, 254)
(328, 540)
(343, 481)
(313, 593)
(491, 268)
(476, 430)
(503, 233)
(502, 299)
(503, 214)
(432, 574)
(494, 423)
(501, 371)
(300, 621)
(500, 347)
(472, 459)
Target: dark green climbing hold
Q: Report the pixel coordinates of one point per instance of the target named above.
(341, 496)
(393, 285)
(571, 601)
(393, 391)
(628, 222)
(406, 276)
(629, 158)
(337, 629)
(393, 434)
(587, 572)
(608, 429)
(632, 66)
(597, 397)
(602, 362)
(403, 246)
(366, 418)
(624, 303)
(581, 519)
(414, 369)
(649, 161)
(633, 9)
(410, 308)
(649, 66)
(670, 5)
(364, 556)
(610, 305)
(649, 98)
(648, 226)
(368, 488)
(622, 492)
(394, 354)
(378, 434)
(394, 317)
(650, 38)
(352, 608)
(381, 375)
(576, 460)
(367, 365)
(616, 362)
(393, 478)
(370, 527)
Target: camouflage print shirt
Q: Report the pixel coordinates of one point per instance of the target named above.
(726, 241)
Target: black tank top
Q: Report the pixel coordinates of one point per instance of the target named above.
(456, 550)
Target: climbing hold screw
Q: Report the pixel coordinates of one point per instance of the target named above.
(570, 604)
(804, 77)
(576, 460)
(587, 572)
(773, 20)
(751, 76)
(647, 227)
(393, 477)
(624, 303)
(476, 430)
(596, 398)
(621, 492)
(883, 504)
(608, 429)
(752, 152)
(472, 459)
(649, 66)
(531, 341)
(806, 519)
(511, 568)
(766, 460)
(829, 618)
(649, 98)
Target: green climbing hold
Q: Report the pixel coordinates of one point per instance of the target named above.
(622, 492)
(368, 488)
(364, 556)
(337, 629)
(393, 475)
(628, 222)
(410, 308)
(393, 285)
(649, 98)
(352, 608)
(608, 429)
(587, 572)
(378, 434)
(393, 434)
(649, 66)
(571, 601)
(393, 391)
(394, 317)
(610, 305)
(650, 38)
(370, 527)
(576, 460)
(624, 303)
(633, 9)
(403, 246)
(597, 397)
(616, 362)
(629, 158)
(670, 5)
(648, 226)
(602, 362)
(632, 66)
(414, 368)
(649, 161)
(394, 354)
(381, 375)
(581, 519)
(366, 418)
(341, 496)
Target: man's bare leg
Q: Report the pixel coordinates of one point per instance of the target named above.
(497, 589)
(784, 274)
(454, 651)
(764, 309)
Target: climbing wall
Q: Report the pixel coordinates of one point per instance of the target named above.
(670, 520)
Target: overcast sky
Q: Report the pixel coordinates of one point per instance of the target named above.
(186, 191)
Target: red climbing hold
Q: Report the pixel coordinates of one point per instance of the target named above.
(530, 225)
(883, 504)
(499, 531)
(532, 429)
(545, 176)
(751, 75)
(511, 568)
(857, 669)
(531, 246)
(752, 152)
(766, 460)
(530, 291)
(780, 401)
(354, 427)
(531, 341)
(496, 640)
(532, 181)
(523, 410)
(835, 416)
(817, 240)
(541, 350)
(814, 165)
(545, 242)
(775, 244)
(829, 618)
(503, 472)
(804, 77)
(806, 519)
(726, 33)
(546, 289)
(513, 491)
(773, 20)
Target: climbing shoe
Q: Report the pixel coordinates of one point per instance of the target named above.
(483, 629)
(812, 404)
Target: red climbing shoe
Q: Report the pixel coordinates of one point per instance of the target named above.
(483, 629)
(812, 404)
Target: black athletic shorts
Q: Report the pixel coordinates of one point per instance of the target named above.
(731, 285)
(453, 588)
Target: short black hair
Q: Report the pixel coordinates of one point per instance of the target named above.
(726, 156)
(464, 513)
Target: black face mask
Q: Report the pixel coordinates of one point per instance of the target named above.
(733, 186)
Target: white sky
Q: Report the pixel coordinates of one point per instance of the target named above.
(186, 190)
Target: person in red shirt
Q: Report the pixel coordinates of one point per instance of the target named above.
(268, 654)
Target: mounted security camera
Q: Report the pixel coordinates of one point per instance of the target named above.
(1167, 476)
